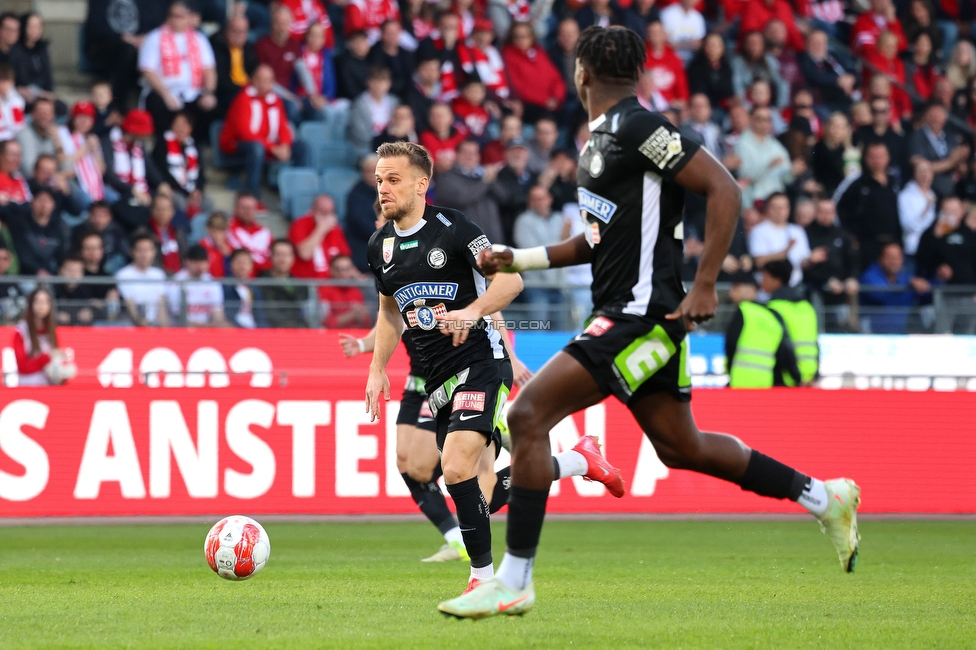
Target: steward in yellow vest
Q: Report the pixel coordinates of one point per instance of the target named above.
(797, 315)
(758, 350)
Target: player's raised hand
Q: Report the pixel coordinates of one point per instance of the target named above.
(495, 259)
(377, 384)
(349, 345)
(697, 307)
(457, 324)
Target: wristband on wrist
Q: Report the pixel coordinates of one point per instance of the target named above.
(362, 346)
(525, 259)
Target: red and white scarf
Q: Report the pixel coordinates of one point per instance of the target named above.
(268, 105)
(11, 115)
(487, 64)
(183, 161)
(315, 64)
(86, 168)
(170, 59)
(519, 9)
(129, 164)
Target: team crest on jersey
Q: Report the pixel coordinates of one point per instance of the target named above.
(663, 148)
(437, 258)
(388, 249)
(425, 317)
(424, 290)
(596, 164)
(596, 205)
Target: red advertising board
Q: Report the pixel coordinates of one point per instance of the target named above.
(289, 434)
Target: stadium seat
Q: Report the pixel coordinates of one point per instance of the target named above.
(313, 132)
(336, 124)
(301, 205)
(327, 154)
(336, 183)
(295, 183)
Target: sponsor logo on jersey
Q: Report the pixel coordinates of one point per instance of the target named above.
(444, 220)
(599, 326)
(425, 317)
(467, 400)
(663, 148)
(596, 164)
(407, 245)
(424, 290)
(388, 249)
(437, 258)
(596, 205)
(478, 244)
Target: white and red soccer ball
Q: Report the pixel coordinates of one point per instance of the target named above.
(237, 547)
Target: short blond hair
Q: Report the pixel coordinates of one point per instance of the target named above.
(417, 155)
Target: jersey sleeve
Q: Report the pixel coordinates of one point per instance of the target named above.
(471, 240)
(661, 149)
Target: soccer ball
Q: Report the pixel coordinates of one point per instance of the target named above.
(237, 547)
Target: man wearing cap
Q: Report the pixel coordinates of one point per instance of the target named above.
(758, 350)
(129, 170)
(179, 71)
(194, 291)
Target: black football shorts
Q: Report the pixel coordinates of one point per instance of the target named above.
(413, 406)
(633, 356)
(472, 400)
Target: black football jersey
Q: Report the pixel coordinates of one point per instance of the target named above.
(432, 269)
(632, 208)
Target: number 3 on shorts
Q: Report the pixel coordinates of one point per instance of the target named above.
(638, 361)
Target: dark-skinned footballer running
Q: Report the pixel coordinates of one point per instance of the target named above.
(424, 259)
(633, 173)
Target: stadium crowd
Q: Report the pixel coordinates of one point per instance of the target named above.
(848, 124)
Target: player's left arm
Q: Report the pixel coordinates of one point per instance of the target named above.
(705, 175)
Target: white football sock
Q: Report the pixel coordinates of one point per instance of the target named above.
(814, 497)
(571, 463)
(516, 572)
(483, 573)
(454, 535)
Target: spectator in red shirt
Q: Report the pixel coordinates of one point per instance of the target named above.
(13, 185)
(756, 14)
(482, 59)
(534, 80)
(280, 51)
(257, 129)
(668, 72)
(442, 139)
(245, 232)
(473, 111)
(36, 339)
(921, 73)
(443, 45)
(172, 242)
(368, 16)
(869, 25)
(318, 239)
(216, 244)
(344, 306)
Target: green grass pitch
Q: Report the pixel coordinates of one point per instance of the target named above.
(660, 584)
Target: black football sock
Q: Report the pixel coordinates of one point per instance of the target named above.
(499, 496)
(431, 502)
(768, 477)
(472, 514)
(526, 512)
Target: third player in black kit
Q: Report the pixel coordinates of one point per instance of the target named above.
(633, 174)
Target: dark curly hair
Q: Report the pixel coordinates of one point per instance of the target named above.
(614, 54)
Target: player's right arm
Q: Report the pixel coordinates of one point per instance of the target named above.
(502, 259)
(389, 326)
